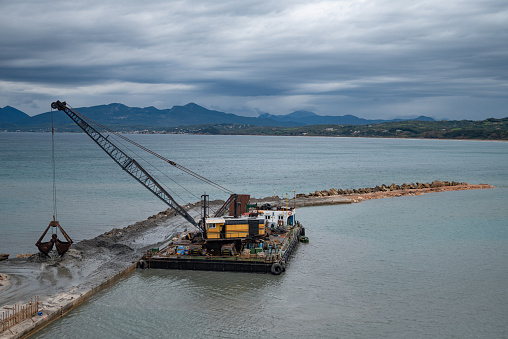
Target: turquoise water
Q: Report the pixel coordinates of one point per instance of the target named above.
(94, 195)
(390, 268)
(421, 267)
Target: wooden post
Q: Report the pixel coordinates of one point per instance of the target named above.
(16, 314)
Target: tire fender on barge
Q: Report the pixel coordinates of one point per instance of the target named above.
(142, 264)
(277, 268)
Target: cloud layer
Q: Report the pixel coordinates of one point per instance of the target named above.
(374, 59)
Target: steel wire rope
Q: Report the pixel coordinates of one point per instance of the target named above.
(154, 167)
(180, 167)
(115, 137)
(55, 213)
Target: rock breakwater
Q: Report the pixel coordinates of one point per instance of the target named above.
(334, 196)
(384, 188)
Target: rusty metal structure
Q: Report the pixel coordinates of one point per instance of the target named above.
(61, 246)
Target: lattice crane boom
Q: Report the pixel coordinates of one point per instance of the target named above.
(127, 163)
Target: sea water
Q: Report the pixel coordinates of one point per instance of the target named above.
(423, 266)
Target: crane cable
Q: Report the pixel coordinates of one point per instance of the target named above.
(55, 214)
(158, 170)
(180, 167)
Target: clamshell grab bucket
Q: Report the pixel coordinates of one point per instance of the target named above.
(61, 246)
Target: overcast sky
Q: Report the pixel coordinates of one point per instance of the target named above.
(373, 59)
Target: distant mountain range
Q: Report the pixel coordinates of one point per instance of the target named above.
(120, 116)
(309, 118)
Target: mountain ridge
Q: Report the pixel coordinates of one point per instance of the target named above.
(121, 116)
(12, 115)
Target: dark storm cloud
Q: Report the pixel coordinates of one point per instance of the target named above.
(369, 58)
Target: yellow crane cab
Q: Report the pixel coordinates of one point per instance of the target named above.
(234, 228)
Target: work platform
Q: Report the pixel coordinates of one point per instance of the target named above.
(271, 261)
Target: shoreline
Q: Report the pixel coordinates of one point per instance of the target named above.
(93, 265)
(268, 135)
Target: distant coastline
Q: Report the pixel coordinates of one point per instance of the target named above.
(485, 130)
(489, 129)
(194, 119)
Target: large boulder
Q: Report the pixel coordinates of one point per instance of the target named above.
(436, 183)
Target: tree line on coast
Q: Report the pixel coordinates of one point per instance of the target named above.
(489, 129)
(121, 118)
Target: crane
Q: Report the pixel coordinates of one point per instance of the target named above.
(127, 163)
(214, 229)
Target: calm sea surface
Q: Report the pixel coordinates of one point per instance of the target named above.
(414, 267)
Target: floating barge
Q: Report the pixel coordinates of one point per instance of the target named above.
(258, 240)
(269, 253)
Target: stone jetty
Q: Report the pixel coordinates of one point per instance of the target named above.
(334, 196)
(385, 188)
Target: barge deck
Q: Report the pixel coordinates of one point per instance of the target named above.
(266, 259)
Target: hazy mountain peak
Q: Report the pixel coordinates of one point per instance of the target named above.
(266, 116)
(10, 114)
(302, 114)
(192, 105)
